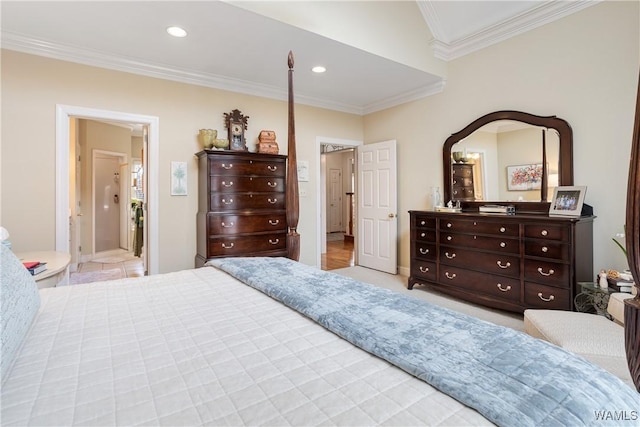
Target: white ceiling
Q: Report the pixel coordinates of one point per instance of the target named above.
(232, 48)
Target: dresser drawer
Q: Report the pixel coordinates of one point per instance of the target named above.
(500, 287)
(462, 191)
(480, 227)
(549, 273)
(497, 244)
(547, 249)
(425, 222)
(481, 261)
(425, 251)
(541, 296)
(465, 171)
(460, 181)
(423, 235)
(235, 224)
(234, 245)
(547, 232)
(245, 167)
(240, 201)
(423, 269)
(232, 184)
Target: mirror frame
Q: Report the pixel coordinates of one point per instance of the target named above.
(565, 158)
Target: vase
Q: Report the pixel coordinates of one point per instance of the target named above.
(207, 136)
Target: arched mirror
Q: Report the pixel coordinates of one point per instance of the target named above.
(508, 157)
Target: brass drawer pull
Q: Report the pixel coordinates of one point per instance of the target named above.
(450, 276)
(507, 265)
(544, 232)
(274, 242)
(227, 166)
(272, 168)
(272, 201)
(503, 245)
(424, 251)
(545, 249)
(423, 234)
(227, 225)
(227, 202)
(274, 222)
(424, 269)
(507, 289)
(225, 184)
(272, 184)
(224, 245)
(449, 225)
(545, 274)
(449, 238)
(423, 222)
(551, 297)
(452, 256)
(502, 229)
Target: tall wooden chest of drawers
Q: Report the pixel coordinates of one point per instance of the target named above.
(462, 184)
(511, 262)
(241, 205)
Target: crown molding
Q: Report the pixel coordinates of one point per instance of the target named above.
(540, 15)
(413, 95)
(20, 43)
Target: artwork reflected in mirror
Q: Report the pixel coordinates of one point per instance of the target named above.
(504, 160)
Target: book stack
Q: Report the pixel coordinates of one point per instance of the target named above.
(35, 267)
(620, 284)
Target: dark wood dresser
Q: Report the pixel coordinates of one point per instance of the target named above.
(241, 205)
(511, 262)
(462, 182)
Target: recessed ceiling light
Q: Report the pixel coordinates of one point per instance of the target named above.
(177, 32)
(318, 69)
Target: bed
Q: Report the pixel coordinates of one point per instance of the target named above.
(270, 341)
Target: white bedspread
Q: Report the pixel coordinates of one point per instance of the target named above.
(197, 347)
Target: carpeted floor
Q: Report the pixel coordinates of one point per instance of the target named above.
(398, 283)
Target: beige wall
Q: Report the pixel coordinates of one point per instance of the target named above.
(32, 86)
(583, 68)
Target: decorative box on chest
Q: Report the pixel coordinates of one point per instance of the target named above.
(241, 205)
(267, 142)
(512, 262)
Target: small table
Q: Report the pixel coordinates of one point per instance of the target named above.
(592, 296)
(57, 272)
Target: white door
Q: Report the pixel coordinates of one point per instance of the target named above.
(335, 200)
(106, 170)
(377, 206)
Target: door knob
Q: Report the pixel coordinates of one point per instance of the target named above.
(392, 215)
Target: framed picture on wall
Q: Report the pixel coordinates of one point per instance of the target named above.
(567, 201)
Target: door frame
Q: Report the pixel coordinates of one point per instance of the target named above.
(321, 192)
(64, 114)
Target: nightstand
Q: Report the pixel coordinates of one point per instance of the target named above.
(57, 272)
(592, 297)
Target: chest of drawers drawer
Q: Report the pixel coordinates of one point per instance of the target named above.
(479, 227)
(481, 261)
(550, 273)
(497, 244)
(423, 269)
(542, 296)
(235, 224)
(423, 235)
(232, 184)
(240, 201)
(547, 232)
(499, 287)
(422, 221)
(546, 249)
(243, 167)
(236, 245)
(425, 251)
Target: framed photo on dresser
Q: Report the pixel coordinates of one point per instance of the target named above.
(567, 201)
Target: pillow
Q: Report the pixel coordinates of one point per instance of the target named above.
(20, 304)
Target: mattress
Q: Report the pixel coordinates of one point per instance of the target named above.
(198, 347)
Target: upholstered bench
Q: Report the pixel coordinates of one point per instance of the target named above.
(593, 337)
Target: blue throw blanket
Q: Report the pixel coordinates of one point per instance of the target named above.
(509, 377)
